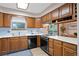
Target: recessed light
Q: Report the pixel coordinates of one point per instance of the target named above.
(22, 5)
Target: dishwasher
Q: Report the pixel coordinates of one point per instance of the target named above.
(32, 40)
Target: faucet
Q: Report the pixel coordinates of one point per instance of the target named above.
(19, 33)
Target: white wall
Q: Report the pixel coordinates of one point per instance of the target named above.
(78, 26)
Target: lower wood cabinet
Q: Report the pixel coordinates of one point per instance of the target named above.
(13, 44)
(57, 48)
(51, 47)
(23, 43)
(51, 52)
(4, 46)
(69, 49)
(38, 41)
(60, 48)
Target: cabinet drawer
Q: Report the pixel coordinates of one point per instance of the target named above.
(57, 42)
(50, 51)
(51, 43)
(71, 46)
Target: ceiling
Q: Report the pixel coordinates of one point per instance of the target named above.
(33, 8)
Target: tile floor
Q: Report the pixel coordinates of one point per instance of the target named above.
(31, 52)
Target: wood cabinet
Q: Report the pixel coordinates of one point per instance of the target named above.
(51, 47)
(44, 18)
(55, 14)
(30, 22)
(23, 43)
(66, 10)
(57, 48)
(14, 44)
(38, 23)
(69, 49)
(1, 19)
(49, 17)
(4, 46)
(38, 41)
(60, 48)
(7, 20)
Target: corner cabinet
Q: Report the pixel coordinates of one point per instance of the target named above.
(38, 23)
(30, 22)
(66, 10)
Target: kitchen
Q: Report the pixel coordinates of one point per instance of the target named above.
(38, 31)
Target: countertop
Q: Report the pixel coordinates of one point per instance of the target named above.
(10, 35)
(65, 39)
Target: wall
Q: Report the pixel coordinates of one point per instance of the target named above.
(5, 31)
(78, 27)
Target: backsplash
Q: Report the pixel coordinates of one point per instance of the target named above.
(16, 32)
(4, 31)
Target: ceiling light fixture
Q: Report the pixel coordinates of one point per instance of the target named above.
(22, 5)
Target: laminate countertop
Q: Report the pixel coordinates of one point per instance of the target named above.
(65, 39)
(10, 35)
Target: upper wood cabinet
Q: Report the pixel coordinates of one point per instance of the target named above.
(1, 19)
(38, 23)
(66, 10)
(30, 22)
(44, 19)
(55, 14)
(7, 20)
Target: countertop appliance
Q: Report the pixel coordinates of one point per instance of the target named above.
(32, 41)
(44, 43)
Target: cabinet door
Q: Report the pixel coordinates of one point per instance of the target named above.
(49, 17)
(23, 43)
(1, 19)
(4, 46)
(66, 10)
(69, 52)
(7, 20)
(30, 22)
(14, 44)
(38, 23)
(51, 52)
(0, 46)
(38, 41)
(51, 43)
(57, 48)
(55, 14)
